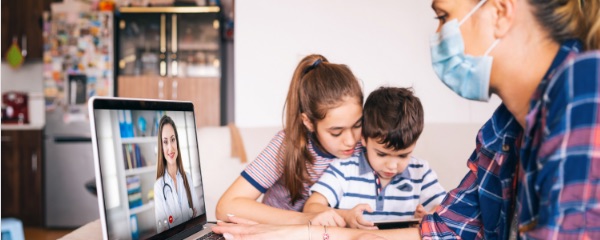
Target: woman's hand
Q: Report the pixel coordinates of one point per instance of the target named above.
(327, 218)
(354, 217)
(243, 229)
(369, 236)
(420, 212)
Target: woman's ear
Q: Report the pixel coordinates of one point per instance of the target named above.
(307, 123)
(505, 13)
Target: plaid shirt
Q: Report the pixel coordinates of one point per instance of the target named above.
(558, 158)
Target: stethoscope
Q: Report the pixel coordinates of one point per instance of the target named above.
(173, 216)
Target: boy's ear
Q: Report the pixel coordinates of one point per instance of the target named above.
(363, 140)
(307, 123)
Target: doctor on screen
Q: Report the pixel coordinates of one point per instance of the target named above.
(174, 195)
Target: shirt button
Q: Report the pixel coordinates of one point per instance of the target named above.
(380, 198)
(505, 148)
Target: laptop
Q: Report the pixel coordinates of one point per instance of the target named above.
(142, 195)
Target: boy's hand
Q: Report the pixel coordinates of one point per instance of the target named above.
(328, 218)
(420, 212)
(354, 217)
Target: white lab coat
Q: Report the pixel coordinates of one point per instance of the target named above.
(176, 203)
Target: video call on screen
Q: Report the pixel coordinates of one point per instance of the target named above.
(138, 202)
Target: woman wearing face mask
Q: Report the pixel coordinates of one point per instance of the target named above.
(535, 172)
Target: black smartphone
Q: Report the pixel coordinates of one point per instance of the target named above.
(396, 223)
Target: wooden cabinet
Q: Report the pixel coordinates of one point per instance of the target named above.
(172, 53)
(22, 192)
(204, 92)
(23, 18)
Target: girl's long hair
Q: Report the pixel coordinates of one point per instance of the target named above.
(317, 86)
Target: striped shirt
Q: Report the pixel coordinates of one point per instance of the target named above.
(558, 161)
(266, 171)
(352, 181)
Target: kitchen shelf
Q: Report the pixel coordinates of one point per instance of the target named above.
(203, 9)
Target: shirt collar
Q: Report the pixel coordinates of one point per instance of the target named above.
(318, 150)
(167, 177)
(567, 48)
(499, 131)
(364, 167)
(503, 129)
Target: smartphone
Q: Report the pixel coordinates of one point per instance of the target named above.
(396, 223)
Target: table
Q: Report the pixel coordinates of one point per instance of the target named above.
(90, 231)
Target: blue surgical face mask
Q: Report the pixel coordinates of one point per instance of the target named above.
(468, 76)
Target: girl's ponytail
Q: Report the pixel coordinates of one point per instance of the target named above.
(294, 152)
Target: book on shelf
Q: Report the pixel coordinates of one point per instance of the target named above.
(127, 158)
(125, 124)
(141, 162)
(135, 233)
(133, 157)
(134, 191)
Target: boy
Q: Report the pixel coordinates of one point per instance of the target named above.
(384, 182)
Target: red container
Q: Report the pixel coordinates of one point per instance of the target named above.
(14, 108)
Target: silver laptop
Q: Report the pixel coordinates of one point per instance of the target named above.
(148, 177)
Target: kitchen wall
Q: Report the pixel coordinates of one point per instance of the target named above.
(28, 78)
(384, 42)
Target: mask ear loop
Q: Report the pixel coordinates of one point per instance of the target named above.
(472, 12)
(487, 52)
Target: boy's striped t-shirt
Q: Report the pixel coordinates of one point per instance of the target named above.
(351, 181)
(266, 171)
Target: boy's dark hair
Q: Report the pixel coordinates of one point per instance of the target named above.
(393, 116)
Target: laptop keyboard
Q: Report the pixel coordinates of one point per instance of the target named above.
(211, 236)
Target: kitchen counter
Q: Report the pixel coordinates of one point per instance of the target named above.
(32, 126)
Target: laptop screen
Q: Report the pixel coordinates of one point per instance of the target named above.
(147, 168)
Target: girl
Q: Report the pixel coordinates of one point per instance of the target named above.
(323, 116)
(174, 205)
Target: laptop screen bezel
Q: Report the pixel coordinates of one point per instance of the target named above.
(101, 103)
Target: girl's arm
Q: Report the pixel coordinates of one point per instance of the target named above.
(353, 218)
(317, 203)
(240, 200)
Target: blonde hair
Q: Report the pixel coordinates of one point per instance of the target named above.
(317, 86)
(567, 19)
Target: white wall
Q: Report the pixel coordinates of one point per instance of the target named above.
(384, 42)
(27, 78)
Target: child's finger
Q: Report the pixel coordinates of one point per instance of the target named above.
(362, 221)
(364, 207)
(339, 220)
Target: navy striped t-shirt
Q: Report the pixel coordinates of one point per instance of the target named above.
(351, 181)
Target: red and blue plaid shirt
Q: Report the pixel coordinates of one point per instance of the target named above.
(558, 153)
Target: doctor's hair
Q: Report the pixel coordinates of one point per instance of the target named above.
(161, 164)
(567, 19)
(316, 87)
(393, 116)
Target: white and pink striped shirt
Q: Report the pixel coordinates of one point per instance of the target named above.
(266, 171)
